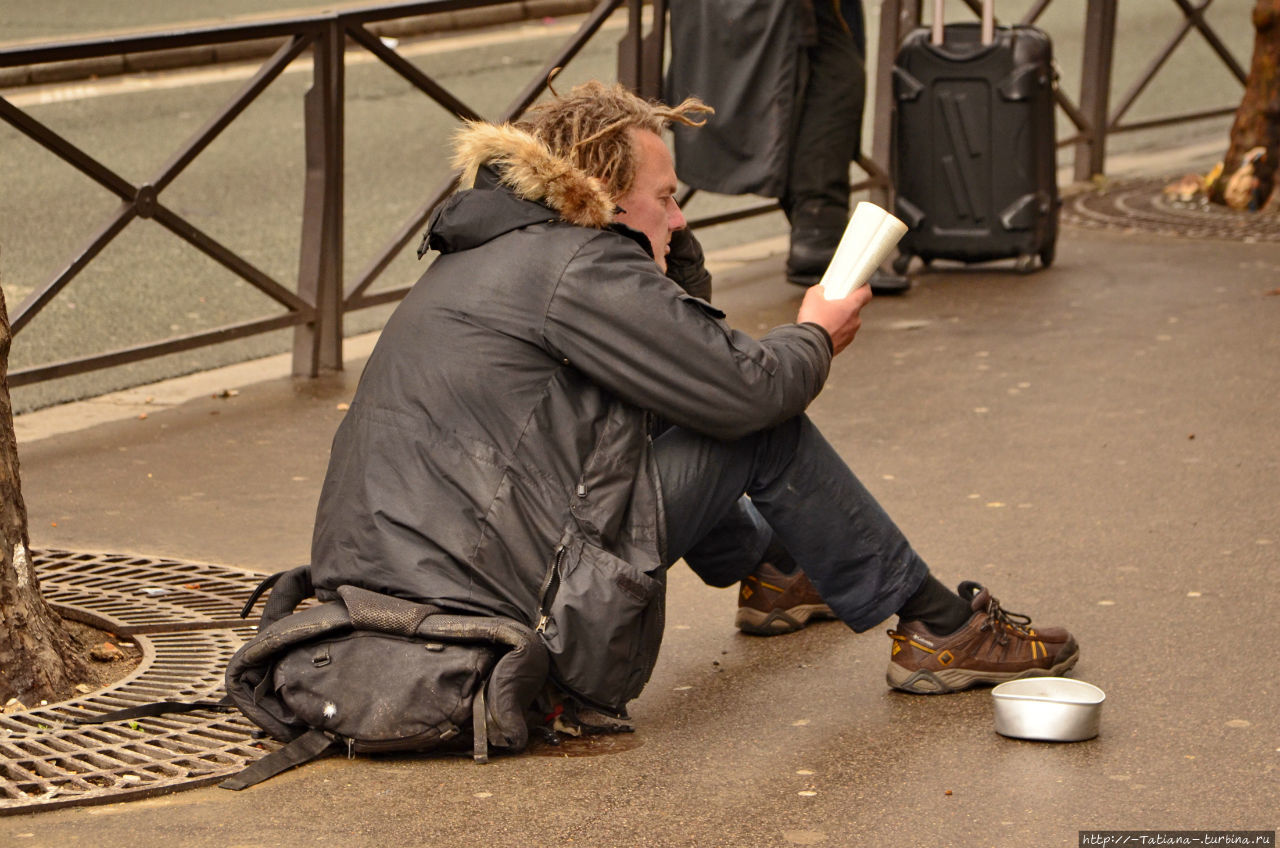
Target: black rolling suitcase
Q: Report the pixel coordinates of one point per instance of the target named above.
(973, 166)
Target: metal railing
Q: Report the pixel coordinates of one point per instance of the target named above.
(316, 306)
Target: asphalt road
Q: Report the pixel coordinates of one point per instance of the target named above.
(246, 189)
(21, 20)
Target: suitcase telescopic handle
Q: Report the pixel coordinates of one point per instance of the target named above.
(988, 22)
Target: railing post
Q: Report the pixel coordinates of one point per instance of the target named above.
(652, 52)
(640, 55)
(318, 344)
(897, 18)
(1095, 87)
(629, 66)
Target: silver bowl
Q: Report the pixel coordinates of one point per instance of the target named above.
(1052, 709)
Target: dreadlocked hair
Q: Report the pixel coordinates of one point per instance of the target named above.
(589, 127)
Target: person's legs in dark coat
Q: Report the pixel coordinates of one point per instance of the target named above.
(827, 138)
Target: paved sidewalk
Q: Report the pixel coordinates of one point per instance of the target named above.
(1098, 442)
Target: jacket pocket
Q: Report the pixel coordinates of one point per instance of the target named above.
(602, 626)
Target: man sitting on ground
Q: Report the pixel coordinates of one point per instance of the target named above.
(550, 419)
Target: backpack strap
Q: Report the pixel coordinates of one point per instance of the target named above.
(158, 708)
(479, 728)
(311, 745)
(288, 589)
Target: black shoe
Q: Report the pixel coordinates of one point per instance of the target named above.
(882, 282)
(816, 229)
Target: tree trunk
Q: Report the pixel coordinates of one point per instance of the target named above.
(1257, 121)
(37, 661)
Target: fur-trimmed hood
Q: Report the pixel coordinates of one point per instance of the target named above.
(510, 180)
(526, 166)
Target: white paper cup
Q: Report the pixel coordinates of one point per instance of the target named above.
(869, 237)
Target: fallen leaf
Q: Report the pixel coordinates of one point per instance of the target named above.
(1186, 188)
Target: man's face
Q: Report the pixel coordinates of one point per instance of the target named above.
(650, 206)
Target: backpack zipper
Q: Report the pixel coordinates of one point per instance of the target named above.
(547, 593)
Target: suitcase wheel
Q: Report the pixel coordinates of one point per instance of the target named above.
(901, 262)
(1026, 263)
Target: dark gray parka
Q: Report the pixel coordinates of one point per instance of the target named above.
(496, 458)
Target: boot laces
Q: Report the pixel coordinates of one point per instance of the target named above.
(1002, 622)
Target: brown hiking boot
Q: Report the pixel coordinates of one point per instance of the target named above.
(771, 603)
(992, 647)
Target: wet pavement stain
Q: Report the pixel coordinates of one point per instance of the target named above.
(586, 746)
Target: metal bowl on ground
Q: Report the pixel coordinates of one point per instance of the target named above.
(1050, 709)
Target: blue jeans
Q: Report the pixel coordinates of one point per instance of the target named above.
(802, 491)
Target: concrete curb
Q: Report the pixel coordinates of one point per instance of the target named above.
(185, 57)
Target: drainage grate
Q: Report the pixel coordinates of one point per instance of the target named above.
(185, 618)
(144, 594)
(1142, 205)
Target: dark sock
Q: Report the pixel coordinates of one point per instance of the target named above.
(781, 559)
(940, 609)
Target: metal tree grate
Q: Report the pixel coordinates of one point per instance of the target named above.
(1142, 205)
(185, 618)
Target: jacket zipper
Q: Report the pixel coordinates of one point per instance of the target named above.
(547, 593)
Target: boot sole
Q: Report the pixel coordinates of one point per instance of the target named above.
(806, 280)
(946, 681)
(779, 621)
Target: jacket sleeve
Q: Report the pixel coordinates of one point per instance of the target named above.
(619, 321)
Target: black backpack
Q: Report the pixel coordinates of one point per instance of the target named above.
(370, 673)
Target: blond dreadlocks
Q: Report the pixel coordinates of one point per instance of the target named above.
(589, 128)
